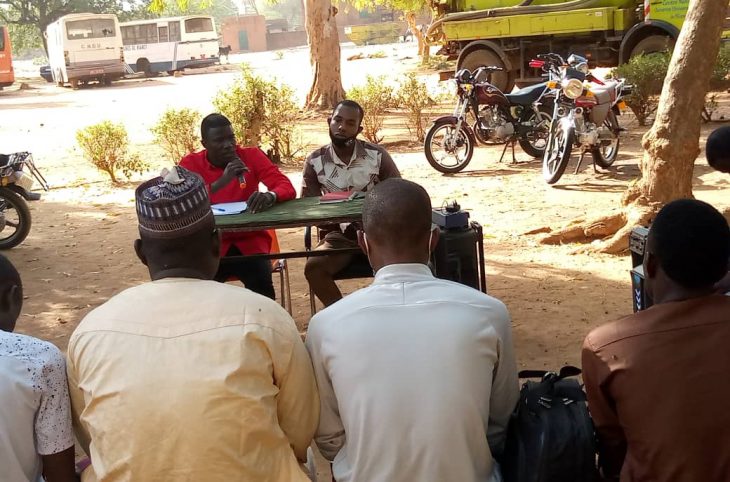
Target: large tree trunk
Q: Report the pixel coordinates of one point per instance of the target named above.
(672, 144)
(424, 48)
(324, 54)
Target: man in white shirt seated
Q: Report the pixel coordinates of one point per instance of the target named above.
(417, 376)
(36, 437)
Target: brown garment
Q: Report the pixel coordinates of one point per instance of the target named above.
(324, 172)
(658, 392)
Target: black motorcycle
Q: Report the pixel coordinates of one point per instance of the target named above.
(15, 190)
(499, 118)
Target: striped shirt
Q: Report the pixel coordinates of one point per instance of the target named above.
(325, 172)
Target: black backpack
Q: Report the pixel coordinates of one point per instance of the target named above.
(550, 435)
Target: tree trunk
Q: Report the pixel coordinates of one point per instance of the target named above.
(424, 49)
(672, 144)
(324, 55)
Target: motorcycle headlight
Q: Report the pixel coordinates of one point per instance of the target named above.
(572, 88)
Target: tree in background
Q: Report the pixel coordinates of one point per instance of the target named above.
(410, 9)
(38, 14)
(671, 146)
(290, 10)
(324, 54)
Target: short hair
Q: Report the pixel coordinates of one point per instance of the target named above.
(717, 149)
(397, 213)
(211, 121)
(691, 241)
(351, 104)
(8, 273)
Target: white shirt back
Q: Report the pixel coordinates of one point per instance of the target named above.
(415, 375)
(35, 413)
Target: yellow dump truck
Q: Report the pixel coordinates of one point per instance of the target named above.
(508, 33)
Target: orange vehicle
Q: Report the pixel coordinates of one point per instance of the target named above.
(7, 76)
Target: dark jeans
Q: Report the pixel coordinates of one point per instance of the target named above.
(255, 274)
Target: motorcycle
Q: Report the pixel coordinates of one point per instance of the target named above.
(500, 118)
(15, 190)
(585, 115)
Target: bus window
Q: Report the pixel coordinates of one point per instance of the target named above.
(90, 28)
(197, 25)
(163, 34)
(174, 31)
(2, 39)
(139, 34)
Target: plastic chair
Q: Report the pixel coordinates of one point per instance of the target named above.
(359, 267)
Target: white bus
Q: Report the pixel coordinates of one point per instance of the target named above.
(170, 44)
(85, 46)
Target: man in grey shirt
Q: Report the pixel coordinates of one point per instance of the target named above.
(417, 376)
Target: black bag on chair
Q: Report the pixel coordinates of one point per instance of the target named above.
(550, 436)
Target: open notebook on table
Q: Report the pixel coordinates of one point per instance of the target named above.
(225, 209)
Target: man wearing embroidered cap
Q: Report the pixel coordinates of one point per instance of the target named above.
(184, 378)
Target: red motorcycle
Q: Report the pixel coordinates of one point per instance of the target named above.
(499, 118)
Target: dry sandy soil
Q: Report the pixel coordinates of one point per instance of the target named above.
(79, 252)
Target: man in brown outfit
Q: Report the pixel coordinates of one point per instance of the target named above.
(657, 380)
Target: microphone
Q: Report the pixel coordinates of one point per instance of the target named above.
(241, 177)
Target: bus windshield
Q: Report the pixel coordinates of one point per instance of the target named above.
(197, 25)
(90, 28)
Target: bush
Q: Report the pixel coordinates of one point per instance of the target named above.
(375, 97)
(177, 132)
(106, 146)
(645, 73)
(414, 97)
(721, 73)
(262, 111)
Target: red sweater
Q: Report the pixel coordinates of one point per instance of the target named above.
(260, 170)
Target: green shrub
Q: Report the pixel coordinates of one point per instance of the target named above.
(278, 55)
(262, 112)
(106, 145)
(177, 132)
(413, 96)
(375, 97)
(721, 73)
(645, 73)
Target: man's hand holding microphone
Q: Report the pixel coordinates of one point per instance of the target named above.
(236, 169)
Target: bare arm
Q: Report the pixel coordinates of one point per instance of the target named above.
(60, 467)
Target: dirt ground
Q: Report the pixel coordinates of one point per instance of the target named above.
(79, 252)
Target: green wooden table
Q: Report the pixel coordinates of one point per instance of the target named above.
(297, 213)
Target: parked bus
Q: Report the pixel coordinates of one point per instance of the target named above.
(170, 44)
(85, 47)
(7, 76)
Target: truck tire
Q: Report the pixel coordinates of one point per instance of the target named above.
(504, 81)
(653, 44)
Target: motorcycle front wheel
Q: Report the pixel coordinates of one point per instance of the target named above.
(14, 219)
(534, 141)
(605, 155)
(557, 151)
(448, 150)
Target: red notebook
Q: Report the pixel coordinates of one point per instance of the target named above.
(335, 197)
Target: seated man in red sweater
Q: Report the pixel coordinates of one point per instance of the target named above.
(221, 164)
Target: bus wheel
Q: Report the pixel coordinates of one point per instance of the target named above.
(653, 44)
(143, 65)
(74, 84)
(171, 73)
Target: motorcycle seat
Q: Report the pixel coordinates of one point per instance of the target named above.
(4, 158)
(605, 93)
(526, 96)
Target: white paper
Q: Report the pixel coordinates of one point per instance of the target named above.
(225, 209)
